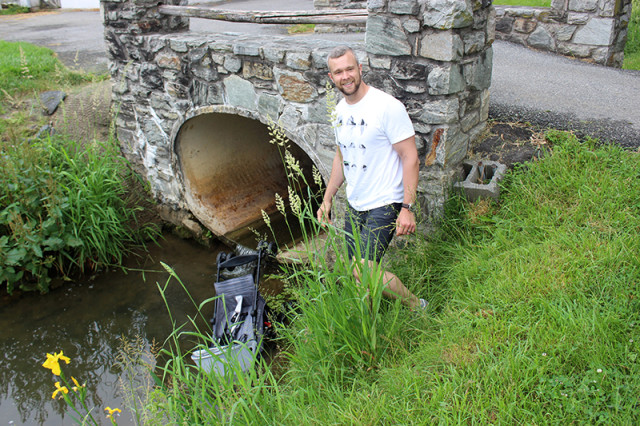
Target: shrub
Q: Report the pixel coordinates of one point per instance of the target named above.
(64, 208)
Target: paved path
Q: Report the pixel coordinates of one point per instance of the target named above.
(547, 89)
(531, 86)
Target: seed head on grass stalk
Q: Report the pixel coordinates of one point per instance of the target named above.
(24, 65)
(280, 205)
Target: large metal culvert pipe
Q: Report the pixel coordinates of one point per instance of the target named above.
(230, 171)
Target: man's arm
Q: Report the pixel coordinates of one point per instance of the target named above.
(335, 182)
(406, 149)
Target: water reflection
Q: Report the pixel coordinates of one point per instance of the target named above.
(86, 320)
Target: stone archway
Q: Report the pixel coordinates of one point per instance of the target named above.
(435, 57)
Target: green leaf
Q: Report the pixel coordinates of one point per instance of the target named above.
(15, 256)
(74, 242)
(53, 243)
(36, 250)
(50, 226)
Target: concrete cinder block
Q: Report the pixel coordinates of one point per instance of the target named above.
(474, 186)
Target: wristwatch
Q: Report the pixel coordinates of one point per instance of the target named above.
(408, 206)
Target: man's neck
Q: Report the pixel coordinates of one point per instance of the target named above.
(356, 97)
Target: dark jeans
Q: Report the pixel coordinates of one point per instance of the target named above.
(373, 230)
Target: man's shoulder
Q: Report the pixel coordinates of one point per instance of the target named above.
(375, 92)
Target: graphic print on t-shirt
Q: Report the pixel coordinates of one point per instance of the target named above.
(349, 140)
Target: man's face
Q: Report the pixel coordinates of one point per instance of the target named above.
(345, 73)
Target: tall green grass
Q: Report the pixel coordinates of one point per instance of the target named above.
(535, 316)
(540, 322)
(65, 208)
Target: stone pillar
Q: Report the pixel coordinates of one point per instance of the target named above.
(601, 28)
(435, 56)
(125, 19)
(129, 27)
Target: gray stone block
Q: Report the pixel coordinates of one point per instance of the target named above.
(442, 46)
(473, 187)
(385, 36)
(583, 5)
(598, 32)
(447, 14)
(542, 39)
(51, 99)
(446, 80)
(269, 106)
(404, 7)
(240, 92)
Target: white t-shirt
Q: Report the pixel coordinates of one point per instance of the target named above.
(365, 133)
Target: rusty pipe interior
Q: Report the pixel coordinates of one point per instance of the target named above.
(231, 171)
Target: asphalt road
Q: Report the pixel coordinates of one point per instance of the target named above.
(536, 87)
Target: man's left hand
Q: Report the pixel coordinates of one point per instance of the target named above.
(406, 223)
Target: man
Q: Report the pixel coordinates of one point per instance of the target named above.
(377, 157)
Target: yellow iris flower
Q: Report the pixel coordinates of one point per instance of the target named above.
(59, 389)
(53, 362)
(77, 385)
(111, 411)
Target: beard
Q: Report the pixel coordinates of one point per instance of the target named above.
(356, 85)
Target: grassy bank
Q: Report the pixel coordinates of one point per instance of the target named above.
(64, 203)
(534, 317)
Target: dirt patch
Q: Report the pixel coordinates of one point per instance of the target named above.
(509, 143)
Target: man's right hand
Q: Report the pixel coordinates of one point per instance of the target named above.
(324, 213)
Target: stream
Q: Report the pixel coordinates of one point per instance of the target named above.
(87, 320)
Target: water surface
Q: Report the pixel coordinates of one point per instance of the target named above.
(86, 320)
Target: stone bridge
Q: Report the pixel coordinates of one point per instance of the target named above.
(193, 108)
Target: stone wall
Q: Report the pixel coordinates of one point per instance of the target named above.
(339, 4)
(435, 57)
(593, 30)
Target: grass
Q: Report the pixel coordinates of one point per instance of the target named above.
(301, 28)
(632, 48)
(26, 68)
(26, 71)
(13, 9)
(534, 316)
